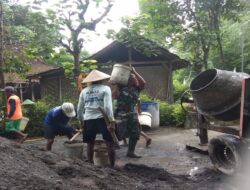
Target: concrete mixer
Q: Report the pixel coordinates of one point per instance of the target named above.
(223, 96)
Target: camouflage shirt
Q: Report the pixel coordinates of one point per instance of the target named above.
(127, 100)
(126, 114)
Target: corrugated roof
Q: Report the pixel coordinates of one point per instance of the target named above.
(118, 52)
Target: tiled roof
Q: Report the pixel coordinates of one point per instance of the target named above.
(37, 66)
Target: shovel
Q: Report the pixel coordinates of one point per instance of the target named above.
(112, 132)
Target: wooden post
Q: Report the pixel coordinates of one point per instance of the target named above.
(32, 90)
(202, 130)
(130, 56)
(169, 78)
(2, 83)
(21, 91)
(60, 88)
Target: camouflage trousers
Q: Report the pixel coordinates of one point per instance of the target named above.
(127, 126)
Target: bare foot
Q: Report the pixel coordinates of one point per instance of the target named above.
(148, 142)
(23, 138)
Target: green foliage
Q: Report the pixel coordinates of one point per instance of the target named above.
(166, 117)
(193, 29)
(236, 35)
(178, 114)
(59, 57)
(26, 35)
(131, 37)
(36, 113)
(179, 89)
(171, 114)
(145, 98)
(181, 81)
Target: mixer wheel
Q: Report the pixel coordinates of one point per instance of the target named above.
(225, 153)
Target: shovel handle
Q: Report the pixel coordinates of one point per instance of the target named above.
(75, 135)
(112, 132)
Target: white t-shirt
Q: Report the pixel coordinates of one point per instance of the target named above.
(92, 97)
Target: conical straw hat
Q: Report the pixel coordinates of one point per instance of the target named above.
(95, 75)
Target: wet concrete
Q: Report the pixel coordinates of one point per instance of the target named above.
(166, 165)
(168, 151)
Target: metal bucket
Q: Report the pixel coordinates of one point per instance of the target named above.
(100, 154)
(74, 149)
(217, 93)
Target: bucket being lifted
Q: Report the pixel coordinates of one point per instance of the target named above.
(120, 74)
(217, 93)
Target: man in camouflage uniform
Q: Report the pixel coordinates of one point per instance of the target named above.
(126, 114)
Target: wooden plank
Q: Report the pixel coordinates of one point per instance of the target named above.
(197, 148)
(226, 129)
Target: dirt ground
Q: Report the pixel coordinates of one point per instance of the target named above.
(167, 164)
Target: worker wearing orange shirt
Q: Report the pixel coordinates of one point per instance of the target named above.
(14, 114)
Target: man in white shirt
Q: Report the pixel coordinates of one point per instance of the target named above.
(96, 95)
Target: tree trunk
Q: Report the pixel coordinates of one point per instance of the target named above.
(2, 83)
(205, 58)
(77, 63)
(220, 49)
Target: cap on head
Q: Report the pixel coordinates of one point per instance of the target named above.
(68, 109)
(9, 89)
(94, 76)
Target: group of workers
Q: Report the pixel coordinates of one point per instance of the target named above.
(97, 95)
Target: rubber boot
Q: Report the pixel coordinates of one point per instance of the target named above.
(131, 149)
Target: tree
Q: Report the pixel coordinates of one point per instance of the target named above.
(75, 20)
(1, 46)
(190, 25)
(26, 35)
(130, 37)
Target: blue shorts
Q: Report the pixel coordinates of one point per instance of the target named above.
(93, 127)
(51, 131)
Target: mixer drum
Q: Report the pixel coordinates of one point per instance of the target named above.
(217, 93)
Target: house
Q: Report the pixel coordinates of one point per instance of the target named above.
(55, 85)
(27, 88)
(157, 69)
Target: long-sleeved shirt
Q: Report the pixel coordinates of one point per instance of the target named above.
(92, 97)
(12, 108)
(56, 118)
